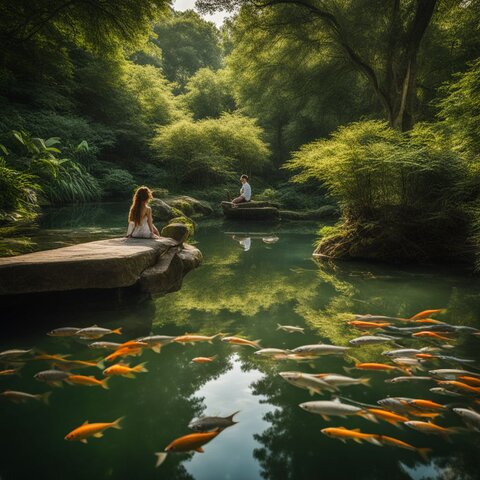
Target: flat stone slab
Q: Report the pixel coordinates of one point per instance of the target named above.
(113, 263)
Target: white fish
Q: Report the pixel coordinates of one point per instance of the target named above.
(52, 377)
(320, 349)
(270, 240)
(105, 345)
(411, 362)
(22, 397)
(412, 378)
(452, 373)
(63, 332)
(14, 353)
(343, 380)
(268, 352)
(290, 328)
(371, 340)
(408, 352)
(469, 417)
(335, 408)
(95, 332)
(306, 381)
(444, 391)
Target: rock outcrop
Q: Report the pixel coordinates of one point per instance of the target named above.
(151, 265)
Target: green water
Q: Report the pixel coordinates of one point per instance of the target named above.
(240, 292)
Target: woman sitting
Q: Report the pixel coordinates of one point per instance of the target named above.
(140, 223)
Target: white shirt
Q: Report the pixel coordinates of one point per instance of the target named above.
(246, 191)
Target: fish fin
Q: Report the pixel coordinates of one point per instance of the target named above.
(104, 383)
(101, 365)
(56, 384)
(424, 452)
(230, 417)
(311, 392)
(129, 375)
(355, 430)
(116, 423)
(156, 349)
(140, 367)
(369, 416)
(98, 435)
(279, 327)
(357, 440)
(311, 365)
(374, 441)
(84, 440)
(365, 381)
(117, 331)
(199, 450)
(349, 369)
(325, 417)
(161, 456)
(46, 398)
(85, 422)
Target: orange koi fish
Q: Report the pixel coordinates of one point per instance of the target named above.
(429, 427)
(466, 379)
(426, 356)
(193, 441)
(390, 417)
(87, 381)
(460, 386)
(366, 325)
(187, 338)
(427, 320)
(9, 371)
(241, 341)
(123, 352)
(394, 442)
(203, 359)
(426, 313)
(377, 366)
(92, 430)
(133, 344)
(426, 405)
(434, 335)
(344, 434)
(124, 370)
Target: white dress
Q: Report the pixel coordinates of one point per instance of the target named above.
(139, 231)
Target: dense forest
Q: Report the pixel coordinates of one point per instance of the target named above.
(371, 104)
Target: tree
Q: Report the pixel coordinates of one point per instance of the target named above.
(208, 94)
(188, 43)
(384, 50)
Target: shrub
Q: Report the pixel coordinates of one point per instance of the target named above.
(117, 184)
(401, 194)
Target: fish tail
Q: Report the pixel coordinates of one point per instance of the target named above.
(349, 369)
(117, 331)
(140, 367)
(424, 452)
(116, 423)
(374, 440)
(101, 364)
(156, 348)
(45, 397)
(257, 343)
(104, 383)
(230, 417)
(279, 327)
(368, 416)
(365, 381)
(161, 456)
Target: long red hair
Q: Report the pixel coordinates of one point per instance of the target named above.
(141, 196)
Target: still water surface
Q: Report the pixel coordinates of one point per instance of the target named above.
(244, 288)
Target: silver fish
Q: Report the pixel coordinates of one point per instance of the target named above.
(320, 349)
(408, 352)
(334, 408)
(444, 391)
(448, 358)
(156, 342)
(451, 373)
(306, 381)
(411, 362)
(52, 377)
(268, 352)
(96, 332)
(469, 417)
(14, 353)
(63, 332)
(343, 380)
(412, 378)
(105, 345)
(371, 340)
(270, 240)
(290, 328)
(22, 397)
(207, 424)
(397, 404)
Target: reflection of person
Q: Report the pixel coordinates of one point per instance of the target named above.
(245, 242)
(245, 191)
(140, 223)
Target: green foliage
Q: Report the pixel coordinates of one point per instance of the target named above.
(117, 184)
(188, 43)
(460, 111)
(401, 195)
(208, 94)
(208, 151)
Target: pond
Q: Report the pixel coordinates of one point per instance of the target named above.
(245, 288)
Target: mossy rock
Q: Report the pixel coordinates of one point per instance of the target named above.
(190, 224)
(161, 210)
(178, 231)
(190, 206)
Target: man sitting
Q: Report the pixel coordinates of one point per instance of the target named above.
(245, 191)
